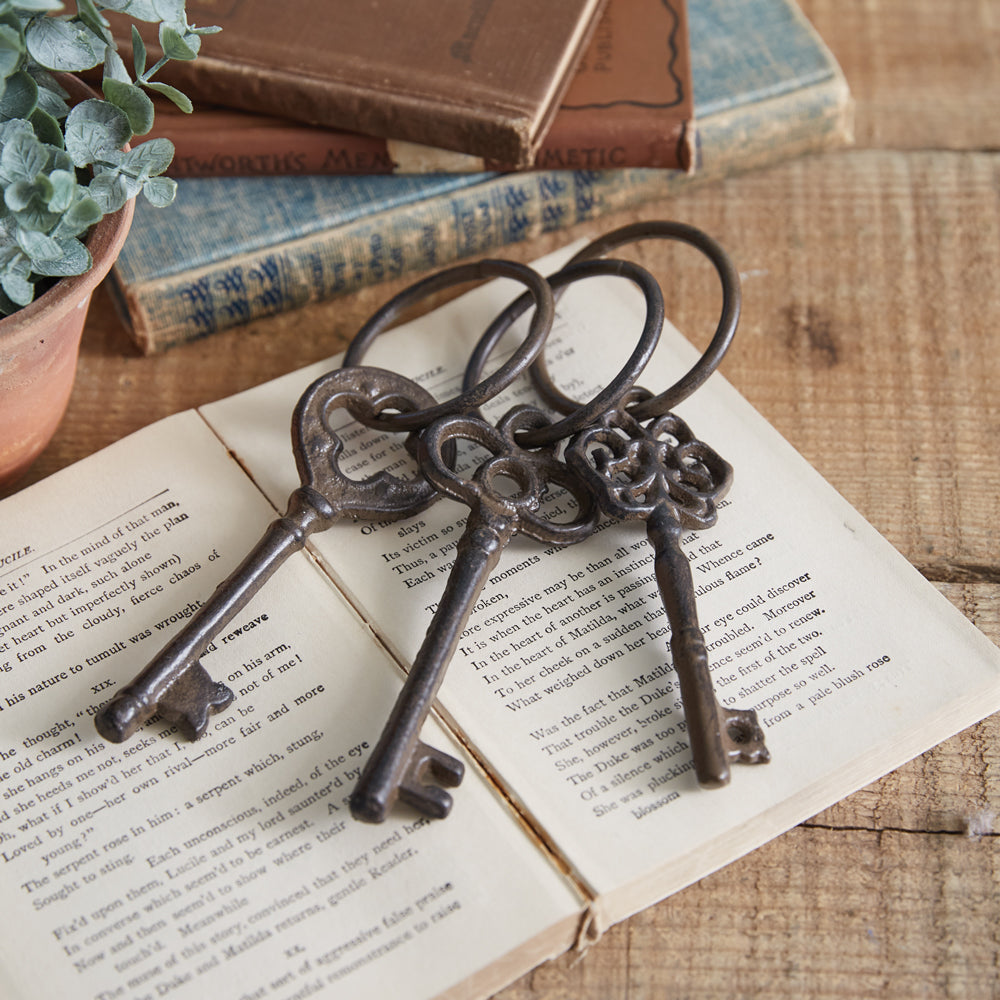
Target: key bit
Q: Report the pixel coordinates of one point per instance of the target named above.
(175, 685)
(401, 767)
(661, 474)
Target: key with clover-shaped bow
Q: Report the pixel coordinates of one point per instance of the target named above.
(661, 474)
(505, 494)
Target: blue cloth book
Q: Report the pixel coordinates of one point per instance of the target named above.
(231, 250)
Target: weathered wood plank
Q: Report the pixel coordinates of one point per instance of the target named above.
(818, 914)
(924, 74)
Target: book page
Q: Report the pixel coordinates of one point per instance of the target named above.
(227, 867)
(563, 680)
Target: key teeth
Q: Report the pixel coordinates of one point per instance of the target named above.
(445, 769)
(416, 790)
(192, 699)
(431, 800)
(743, 737)
(369, 804)
(188, 702)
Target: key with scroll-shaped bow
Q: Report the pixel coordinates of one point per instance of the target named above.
(661, 474)
(175, 685)
(506, 494)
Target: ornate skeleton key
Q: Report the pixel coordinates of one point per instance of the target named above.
(401, 766)
(175, 684)
(662, 474)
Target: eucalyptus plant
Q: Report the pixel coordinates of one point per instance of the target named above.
(64, 168)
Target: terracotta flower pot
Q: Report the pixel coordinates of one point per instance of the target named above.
(39, 345)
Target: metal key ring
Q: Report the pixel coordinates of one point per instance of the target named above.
(665, 401)
(580, 415)
(471, 397)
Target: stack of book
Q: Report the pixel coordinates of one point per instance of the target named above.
(327, 158)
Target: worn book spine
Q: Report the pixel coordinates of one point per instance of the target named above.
(229, 143)
(426, 234)
(163, 311)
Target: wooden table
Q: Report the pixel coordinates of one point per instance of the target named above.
(870, 340)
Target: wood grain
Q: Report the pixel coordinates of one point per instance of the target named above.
(869, 339)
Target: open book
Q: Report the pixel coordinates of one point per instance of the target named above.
(230, 867)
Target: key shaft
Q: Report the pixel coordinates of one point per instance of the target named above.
(147, 694)
(400, 763)
(718, 735)
(663, 475)
(401, 767)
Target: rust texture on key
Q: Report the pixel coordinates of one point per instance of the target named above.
(661, 474)
(506, 495)
(175, 685)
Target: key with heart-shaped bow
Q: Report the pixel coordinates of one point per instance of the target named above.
(175, 685)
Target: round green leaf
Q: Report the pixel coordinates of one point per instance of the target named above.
(138, 52)
(149, 158)
(91, 17)
(63, 191)
(160, 191)
(19, 97)
(37, 245)
(173, 94)
(40, 6)
(11, 49)
(95, 130)
(176, 45)
(133, 101)
(52, 104)
(17, 196)
(169, 10)
(70, 257)
(114, 67)
(17, 288)
(8, 130)
(141, 10)
(80, 217)
(108, 191)
(23, 157)
(46, 127)
(62, 45)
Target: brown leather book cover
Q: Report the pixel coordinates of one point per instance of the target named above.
(629, 105)
(478, 76)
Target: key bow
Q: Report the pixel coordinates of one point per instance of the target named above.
(638, 468)
(530, 470)
(365, 392)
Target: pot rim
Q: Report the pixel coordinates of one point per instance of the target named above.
(104, 243)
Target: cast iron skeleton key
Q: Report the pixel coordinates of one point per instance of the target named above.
(402, 767)
(662, 474)
(175, 684)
